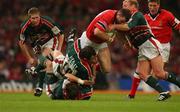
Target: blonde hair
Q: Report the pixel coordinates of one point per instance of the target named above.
(33, 10)
(134, 2)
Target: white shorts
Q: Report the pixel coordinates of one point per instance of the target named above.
(150, 49)
(84, 41)
(166, 51)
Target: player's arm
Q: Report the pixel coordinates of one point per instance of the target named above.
(59, 34)
(100, 31)
(25, 49)
(102, 35)
(119, 27)
(56, 30)
(73, 78)
(174, 22)
(130, 24)
(60, 41)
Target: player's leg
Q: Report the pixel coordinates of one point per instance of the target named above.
(104, 59)
(40, 69)
(157, 66)
(150, 50)
(135, 83)
(144, 71)
(70, 39)
(136, 78)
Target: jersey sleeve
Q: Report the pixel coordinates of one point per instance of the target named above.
(101, 25)
(173, 21)
(55, 28)
(23, 28)
(134, 20)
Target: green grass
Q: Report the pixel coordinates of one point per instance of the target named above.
(25, 102)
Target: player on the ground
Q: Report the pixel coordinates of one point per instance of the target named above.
(96, 35)
(42, 35)
(149, 50)
(161, 22)
(72, 77)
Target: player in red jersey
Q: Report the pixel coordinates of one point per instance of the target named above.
(161, 22)
(96, 35)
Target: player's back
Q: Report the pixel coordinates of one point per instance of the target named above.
(83, 69)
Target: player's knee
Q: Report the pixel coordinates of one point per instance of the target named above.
(160, 74)
(143, 75)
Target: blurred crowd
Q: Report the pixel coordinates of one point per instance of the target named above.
(70, 13)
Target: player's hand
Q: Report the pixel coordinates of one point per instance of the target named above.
(110, 40)
(88, 82)
(31, 61)
(111, 27)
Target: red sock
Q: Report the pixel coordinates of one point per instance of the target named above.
(134, 86)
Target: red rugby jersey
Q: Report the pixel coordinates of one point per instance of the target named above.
(101, 21)
(162, 25)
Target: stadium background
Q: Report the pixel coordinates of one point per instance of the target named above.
(68, 13)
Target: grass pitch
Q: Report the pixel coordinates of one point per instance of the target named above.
(100, 102)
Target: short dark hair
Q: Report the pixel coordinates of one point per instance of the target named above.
(87, 52)
(126, 13)
(134, 2)
(157, 1)
(33, 10)
(72, 91)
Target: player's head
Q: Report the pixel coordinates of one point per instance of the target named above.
(153, 6)
(130, 4)
(123, 15)
(89, 54)
(72, 91)
(34, 15)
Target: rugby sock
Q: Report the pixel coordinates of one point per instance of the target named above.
(41, 76)
(173, 79)
(151, 81)
(135, 83)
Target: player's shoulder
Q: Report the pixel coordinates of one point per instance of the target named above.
(138, 15)
(166, 12)
(109, 11)
(47, 18)
(24, 23)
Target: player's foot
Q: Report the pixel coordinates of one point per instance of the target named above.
(131, 96)
(164, 96)
(72, 34)
(38, 92)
